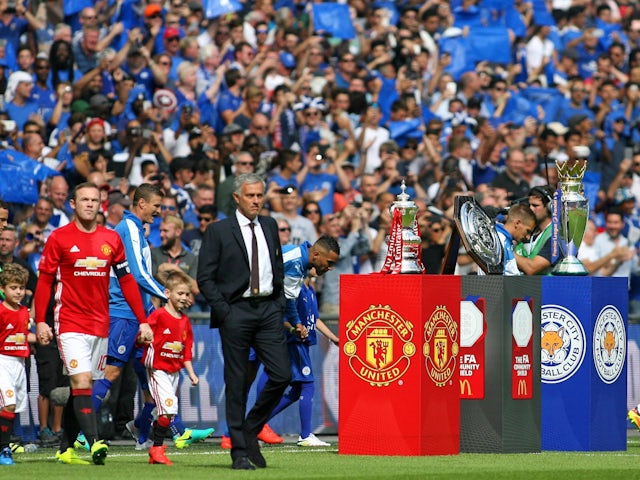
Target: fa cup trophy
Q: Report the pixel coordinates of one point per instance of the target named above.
(405, 245)
(571, 212)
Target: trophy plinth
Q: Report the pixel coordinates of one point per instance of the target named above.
(572, 216)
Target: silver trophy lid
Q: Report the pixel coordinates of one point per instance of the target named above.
(403, 198)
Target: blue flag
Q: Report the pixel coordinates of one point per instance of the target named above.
(461, 60)
(549, 99)
(402, 130)
(19, 177)
(513, 20)
(467, 18)
(541, 14)
(333, 18)
(490, 44)
(217, 8)
(71, 7)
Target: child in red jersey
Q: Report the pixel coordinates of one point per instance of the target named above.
(166, 355)
(14, 348)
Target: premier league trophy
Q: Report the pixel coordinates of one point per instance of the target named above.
(570, 213)
(405, 245)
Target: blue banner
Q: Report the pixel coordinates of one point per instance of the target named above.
(333, 18)
(549, 99)
(71, 7)
(491, 44)
(541, 14)
(19, 177)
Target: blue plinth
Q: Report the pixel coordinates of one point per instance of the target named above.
(583, 363)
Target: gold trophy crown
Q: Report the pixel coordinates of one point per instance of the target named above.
(571, 171)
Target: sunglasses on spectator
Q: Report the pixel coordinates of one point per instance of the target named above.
(262, 30)
(165, 208)
(308, 212)
(244, 163)
(173, 39)
(500, 89)
(41, 67)
(311, 114)
(205, 219)
(156, 15)
(284, 229)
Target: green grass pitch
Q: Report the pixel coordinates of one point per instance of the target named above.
(208, 461)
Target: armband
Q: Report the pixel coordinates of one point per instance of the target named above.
(121, 269)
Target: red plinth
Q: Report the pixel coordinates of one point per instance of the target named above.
(399, 365)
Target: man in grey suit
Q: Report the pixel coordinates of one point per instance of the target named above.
(240, 273)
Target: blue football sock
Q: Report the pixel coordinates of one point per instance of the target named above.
(100, 389)
(287, 399)
(177, 427)
(143, 421)
(306, 406)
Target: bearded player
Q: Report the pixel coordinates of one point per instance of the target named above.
(77, 260)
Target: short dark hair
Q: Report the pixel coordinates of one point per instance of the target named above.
(329, 244)
(146, 191)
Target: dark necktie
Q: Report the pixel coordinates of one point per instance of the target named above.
(255, 273)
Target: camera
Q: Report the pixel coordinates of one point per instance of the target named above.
(411, 75)
(11, 6)
(187, 110)
(8, 125)
(156, 178)
(146, 133)
(289, 189)
(357, 201)
(135, 131)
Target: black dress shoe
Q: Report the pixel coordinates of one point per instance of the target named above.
(253, 451)
(242, 463)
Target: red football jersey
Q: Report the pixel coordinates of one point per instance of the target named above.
(14, 327)
(82, 264)
(172, 342)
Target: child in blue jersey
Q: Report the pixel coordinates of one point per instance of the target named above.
(302, 383)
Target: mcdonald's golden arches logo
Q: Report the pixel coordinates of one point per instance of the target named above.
(522, 388)
(465, 387)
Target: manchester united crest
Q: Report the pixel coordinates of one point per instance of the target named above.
(379, 345)
(441, 346)
(106, 249)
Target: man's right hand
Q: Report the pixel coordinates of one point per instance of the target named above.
(146, 334)
(44, 335)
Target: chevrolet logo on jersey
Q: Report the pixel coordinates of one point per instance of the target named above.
(17, 338)
(90, 263)
(175, 347)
